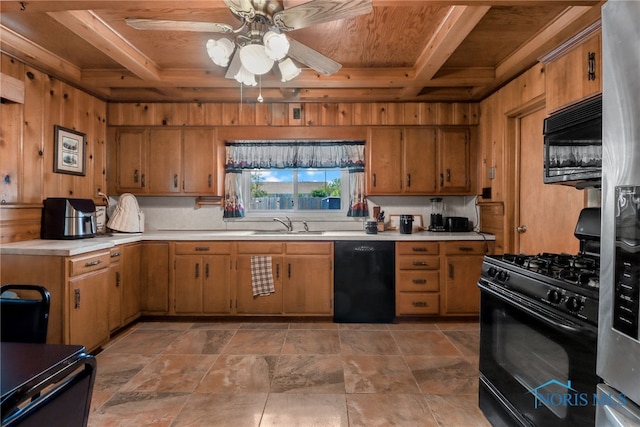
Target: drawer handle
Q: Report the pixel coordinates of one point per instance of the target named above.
(115, 254)
(92, 263)
(465, 249)
(76, 298)
(420, 304)
(202, 248)
(419, 249)
(423, 263)
(419, 281)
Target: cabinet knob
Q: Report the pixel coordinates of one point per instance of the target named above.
(521, 229)
(408, 180)
(135, 176)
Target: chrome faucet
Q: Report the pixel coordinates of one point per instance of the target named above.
(287, 224)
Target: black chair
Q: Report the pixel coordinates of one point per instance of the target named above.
(24, 320)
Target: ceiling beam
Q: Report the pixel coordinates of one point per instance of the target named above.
(99, 34)
(55, 5)
(25, 50)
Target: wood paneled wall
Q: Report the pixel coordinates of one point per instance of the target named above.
(293, 114)
(27, 148)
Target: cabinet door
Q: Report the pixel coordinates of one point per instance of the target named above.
(189, 271)
(308, 284)
(88, 316)
(384, 161)
(575, 74)
(420, 161)
(114, 291)
(154, 294)
(131, 160)
(246, 303)
(454, 154)
(131, 260)
(462, 293)
(199, 161)
(216, 283)
(165, 165)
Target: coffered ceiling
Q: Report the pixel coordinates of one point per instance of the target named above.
(404, 50)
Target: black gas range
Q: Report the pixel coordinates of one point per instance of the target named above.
(538, 333)
(567, 284)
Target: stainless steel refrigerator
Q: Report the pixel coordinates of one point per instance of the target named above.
(618, 330)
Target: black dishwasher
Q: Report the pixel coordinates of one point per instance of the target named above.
(364, 278)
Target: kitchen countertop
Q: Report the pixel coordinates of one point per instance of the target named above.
(81, 246)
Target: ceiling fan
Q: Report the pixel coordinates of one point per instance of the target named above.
(260, 41)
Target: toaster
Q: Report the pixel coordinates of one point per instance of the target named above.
(457, 224)
(64, 218)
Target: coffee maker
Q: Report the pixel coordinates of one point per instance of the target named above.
(437, 217)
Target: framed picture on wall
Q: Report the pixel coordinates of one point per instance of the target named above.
(69, 151)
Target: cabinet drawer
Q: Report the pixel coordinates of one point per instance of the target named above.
(418, 262)
(260, 247)
(418, 281)
(115, 254)
(302, 248)
(465, 248)
(189, 248)
(415, 248)
(411, 303)
(90, 262)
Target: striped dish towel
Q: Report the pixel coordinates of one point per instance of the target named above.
(262, 276)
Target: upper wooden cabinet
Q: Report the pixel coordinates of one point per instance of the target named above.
(165, 161)
(574, 70)
(419, 160)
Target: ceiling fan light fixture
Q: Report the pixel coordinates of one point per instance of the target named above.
(276, 45)
(220, 51)
(245, 77)
(288, 70)
(255, 60)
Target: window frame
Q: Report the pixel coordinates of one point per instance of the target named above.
(294, 212)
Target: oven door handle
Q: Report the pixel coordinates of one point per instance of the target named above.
(550, 318)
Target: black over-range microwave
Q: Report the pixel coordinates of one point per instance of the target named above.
(573, 145)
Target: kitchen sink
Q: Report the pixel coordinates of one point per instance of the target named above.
(285, 232)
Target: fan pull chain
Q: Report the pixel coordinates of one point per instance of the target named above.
(260, 98)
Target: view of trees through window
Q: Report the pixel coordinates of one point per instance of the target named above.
(297, 189)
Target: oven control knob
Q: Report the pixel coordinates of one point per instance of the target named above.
(492, 272)
(503, 276)
(554, 296)
(574, 304)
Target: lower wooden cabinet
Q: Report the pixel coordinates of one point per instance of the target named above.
(131, 262)
(154, 280)
(88, 317)
(202, 277)
(463, 264)
(439, 278)
(302, 275)
(246, 303)
(114, 289)
(417, 278)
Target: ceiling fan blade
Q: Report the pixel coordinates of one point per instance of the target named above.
(320, 11)
(234, 65)
(312, 58)
(165, 25)
(242, 8)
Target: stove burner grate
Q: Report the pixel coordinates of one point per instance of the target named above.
(577, 270)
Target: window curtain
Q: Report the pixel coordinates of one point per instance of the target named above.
(294, 154)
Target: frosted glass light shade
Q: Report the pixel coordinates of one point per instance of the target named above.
(288, 70)
(245, 77)
(276, 45)
(255, 60)
(220, 51)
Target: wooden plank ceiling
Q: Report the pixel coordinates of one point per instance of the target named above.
(404, 50)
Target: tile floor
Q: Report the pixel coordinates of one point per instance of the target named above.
(289, 374)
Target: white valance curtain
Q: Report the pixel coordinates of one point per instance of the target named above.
(242, 155)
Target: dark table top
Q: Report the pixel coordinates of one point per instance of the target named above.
(21, 363)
